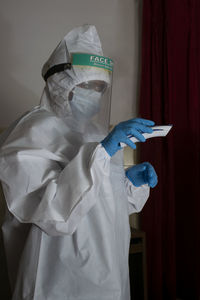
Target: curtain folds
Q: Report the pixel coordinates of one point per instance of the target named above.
(170, 94)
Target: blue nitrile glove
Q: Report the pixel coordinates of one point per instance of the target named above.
(120, 133)
(141, 174)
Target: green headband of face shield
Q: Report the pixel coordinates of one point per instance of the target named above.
(82, 59)
(91, 60)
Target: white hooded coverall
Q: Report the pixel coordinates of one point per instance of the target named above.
(66, 230)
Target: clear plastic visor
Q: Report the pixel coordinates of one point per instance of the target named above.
(92, 93)
(92, 100)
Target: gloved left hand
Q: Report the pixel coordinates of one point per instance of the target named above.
(142, 174)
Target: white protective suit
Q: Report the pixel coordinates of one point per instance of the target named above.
(66, 230)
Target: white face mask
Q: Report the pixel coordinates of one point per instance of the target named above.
(85, 103)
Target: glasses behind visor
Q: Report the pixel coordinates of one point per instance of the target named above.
(96, 85)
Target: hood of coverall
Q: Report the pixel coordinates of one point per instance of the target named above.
(72, 92)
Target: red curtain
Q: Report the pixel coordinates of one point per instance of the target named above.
(170, 94)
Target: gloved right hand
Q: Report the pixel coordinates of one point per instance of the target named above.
(120, 133)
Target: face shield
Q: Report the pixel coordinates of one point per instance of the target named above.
(90, 99)
(80, 90)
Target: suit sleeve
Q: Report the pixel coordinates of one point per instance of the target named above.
(39, 190)
(137, 196)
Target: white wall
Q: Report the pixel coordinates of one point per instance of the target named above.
(30, 30)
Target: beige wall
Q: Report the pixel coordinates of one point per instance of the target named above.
(30, 30)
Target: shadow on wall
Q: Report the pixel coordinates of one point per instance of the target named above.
(15, 97)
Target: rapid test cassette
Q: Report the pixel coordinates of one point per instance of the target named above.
(158, 131)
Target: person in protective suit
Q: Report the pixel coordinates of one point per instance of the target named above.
(66, 230)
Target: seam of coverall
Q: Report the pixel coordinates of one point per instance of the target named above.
(39, 252)
(31, 295)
